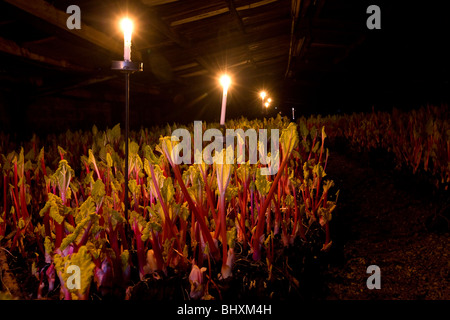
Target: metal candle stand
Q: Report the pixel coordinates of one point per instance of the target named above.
(127, 67)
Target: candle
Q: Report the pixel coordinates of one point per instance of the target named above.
(225, 82)
(127, 28)
(262, 94)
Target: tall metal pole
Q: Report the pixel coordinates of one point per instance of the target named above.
(127, 128)
(127, 67)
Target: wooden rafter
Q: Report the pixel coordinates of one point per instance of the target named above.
(153, 3)
(45, 11)
(349, 49)
(319, 6)
(156, 22)
(10, 47)
(84, 83)
(237, 18)
(220, 11)
(235, 15)
(295, 10)
(327, 45)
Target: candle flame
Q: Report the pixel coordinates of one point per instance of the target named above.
(127, 28)
(225, 81)
(262, 94)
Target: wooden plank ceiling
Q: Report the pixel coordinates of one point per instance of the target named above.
(184, 45)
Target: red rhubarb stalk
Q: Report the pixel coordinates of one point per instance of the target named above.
(200, 219)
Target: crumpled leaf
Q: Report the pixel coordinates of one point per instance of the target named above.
(223, 170)
(114, 133)
(262, 184)
(148, 154)
(81, 259)
(166, 146)
(62, 177)
(167, 190)
(318, 171)
(289, 139)
(137, 221)
(78, 231)
(57, 209)
(98, 192)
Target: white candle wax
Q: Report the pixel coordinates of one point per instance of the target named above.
(127, 27)
(224, 107)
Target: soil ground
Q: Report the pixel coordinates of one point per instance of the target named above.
(384, 217)
(389, 218)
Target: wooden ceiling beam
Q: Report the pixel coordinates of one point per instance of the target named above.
(319, 6)
(237, 18)
(235, 15)
(254, 5)
(154, 3)
(236, 39)
(220, 11)
(185, 66)
(350, 49)
(327, 45)
(40, 41)
(62, 87)
(295, 11)
(194, 74)
(45, 11)
(12, 48)
(202, 16)
(156, 22)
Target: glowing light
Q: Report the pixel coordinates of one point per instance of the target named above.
(262, 94)
(266, 104)
(225, 81)
(269, 100)
(127, 28)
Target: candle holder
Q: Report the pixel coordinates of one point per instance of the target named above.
(127, 67)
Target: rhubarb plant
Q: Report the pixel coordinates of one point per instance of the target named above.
(182, 217)
(76, 289)
(224, 169)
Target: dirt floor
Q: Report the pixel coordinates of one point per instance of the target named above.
(384, 217)
(392, 219)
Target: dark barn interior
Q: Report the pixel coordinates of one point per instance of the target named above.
(370, 93)
(316, 56)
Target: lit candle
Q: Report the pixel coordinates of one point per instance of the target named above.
(262, 94)
(127, 28)
(225, 82)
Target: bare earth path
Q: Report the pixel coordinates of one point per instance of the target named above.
(392, 220)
